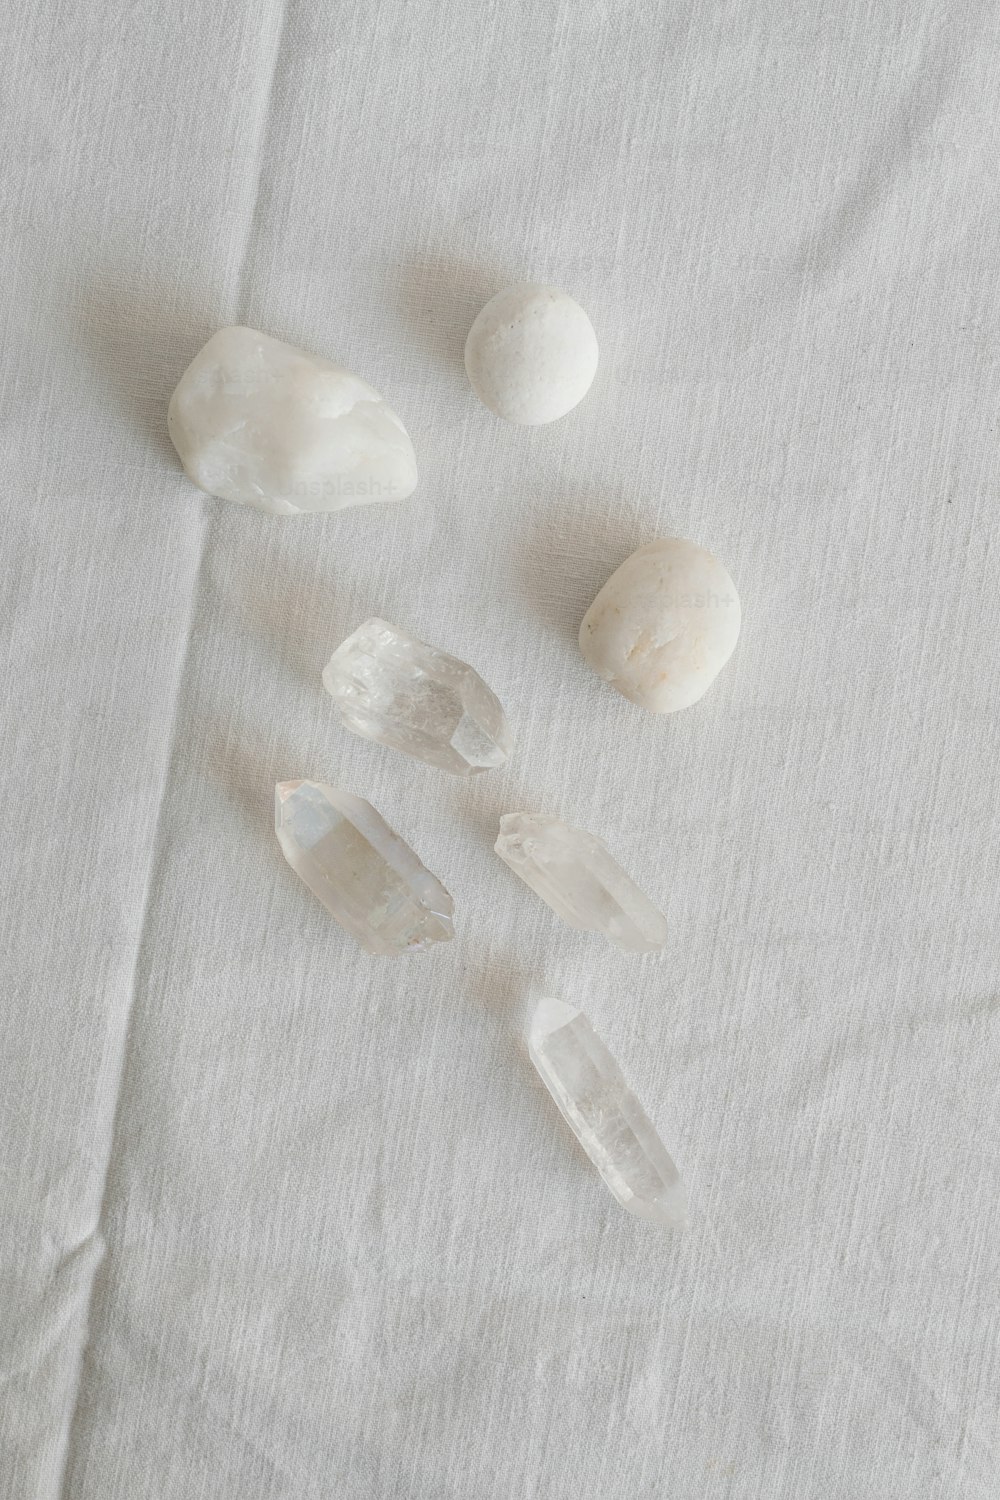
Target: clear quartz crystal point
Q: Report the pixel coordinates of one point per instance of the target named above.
(576, 874)
(365, 875)
(394, 689)
(604, 1114)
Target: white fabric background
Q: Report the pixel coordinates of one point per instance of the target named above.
(280, 1219)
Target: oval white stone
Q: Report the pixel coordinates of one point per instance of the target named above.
(663, 626)
(531, 354)
(261, 422)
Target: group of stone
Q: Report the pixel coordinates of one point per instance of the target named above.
(262, 423)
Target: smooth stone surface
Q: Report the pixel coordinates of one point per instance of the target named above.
(365, 875)
(531, 354)
(663, 626)
(392, 688)
(604, 1114)
(576, 874)
(263, 423)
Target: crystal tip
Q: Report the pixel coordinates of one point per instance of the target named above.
(668, 1209)
(551, 1015)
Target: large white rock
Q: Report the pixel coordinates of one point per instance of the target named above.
(663, 626)
(531, 354)
(259, 421)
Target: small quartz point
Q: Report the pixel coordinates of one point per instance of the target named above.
(364, 874)
(576, 874)
(394, 689)
(604, 1114)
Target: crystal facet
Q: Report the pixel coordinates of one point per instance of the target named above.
(364, 874)
(394, 689)
(261, 422)
(575, 873)
(604, 1114)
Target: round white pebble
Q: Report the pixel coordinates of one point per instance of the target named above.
(663, 626)
(531, 354)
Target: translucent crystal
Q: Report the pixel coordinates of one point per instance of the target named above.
(258, 421)
(576, 874)
(394, 689)
(604, 1114)
(364, 874)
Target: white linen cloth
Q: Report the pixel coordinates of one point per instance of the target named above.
(278, 1219)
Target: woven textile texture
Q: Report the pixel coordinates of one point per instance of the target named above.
(279, 1219)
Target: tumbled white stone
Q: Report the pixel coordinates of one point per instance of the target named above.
(663, 626)
(531, 354)
(392, 688)
(604, 1114)
(365, 874)
(576, 874)
(261, 422)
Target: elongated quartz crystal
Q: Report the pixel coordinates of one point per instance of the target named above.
(575, 873)
(604, 1114)
(392, 688)
(365, 875)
